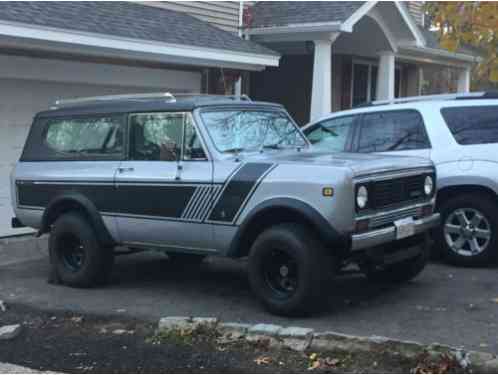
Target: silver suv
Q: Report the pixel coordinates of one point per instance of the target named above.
(203, 175)
(459, 133)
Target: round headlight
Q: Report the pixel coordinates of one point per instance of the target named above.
(428, 185)
(362, 197)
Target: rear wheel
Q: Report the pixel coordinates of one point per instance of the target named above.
(75, 254)
(288, 269)
(468, 234)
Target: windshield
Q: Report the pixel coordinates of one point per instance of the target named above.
(251, 130)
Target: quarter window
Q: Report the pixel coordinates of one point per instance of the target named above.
(392, 131)
(472, 125)
(85, 137)
(331, 135)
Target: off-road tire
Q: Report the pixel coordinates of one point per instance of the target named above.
(96, 266)
(313, 269)
(488, 208)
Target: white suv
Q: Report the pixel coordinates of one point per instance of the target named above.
(459, 133)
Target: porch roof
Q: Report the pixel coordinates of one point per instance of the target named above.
(272, 20)
(287, 13)
(169, 31)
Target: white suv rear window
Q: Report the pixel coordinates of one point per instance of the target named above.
(472, 125)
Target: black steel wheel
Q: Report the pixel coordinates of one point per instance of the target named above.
(288, 270)
(76, 256)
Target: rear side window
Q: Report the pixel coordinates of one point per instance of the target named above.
(472, 125)
(392, 131)
(85, 136)
(89, 138)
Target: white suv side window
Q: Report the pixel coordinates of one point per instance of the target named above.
(472, 125)
(392, 131)
(332, 134)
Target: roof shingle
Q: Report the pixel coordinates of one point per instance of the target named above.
(129, 20)
(283, 13)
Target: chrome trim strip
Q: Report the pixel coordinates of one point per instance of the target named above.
(382, 176)
(385, 235)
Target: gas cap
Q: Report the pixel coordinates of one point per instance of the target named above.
(465, 163)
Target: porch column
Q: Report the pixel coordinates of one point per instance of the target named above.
(321, 92)
(464, 80)
(385, 76)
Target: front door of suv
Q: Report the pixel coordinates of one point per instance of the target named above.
(165, 186)
(396, 132)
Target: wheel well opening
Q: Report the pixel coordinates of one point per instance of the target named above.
(62, 207)
(266, 219)
(450, 192)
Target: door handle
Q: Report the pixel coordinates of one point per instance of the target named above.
(124, 170)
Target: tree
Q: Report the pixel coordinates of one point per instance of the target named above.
(469, 23)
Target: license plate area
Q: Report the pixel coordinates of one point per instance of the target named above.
(404, 228)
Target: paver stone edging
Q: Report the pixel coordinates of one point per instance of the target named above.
(302, 339)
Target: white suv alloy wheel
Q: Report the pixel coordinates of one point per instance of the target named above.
(467, 231)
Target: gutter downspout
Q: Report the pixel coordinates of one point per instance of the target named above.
(238, 84)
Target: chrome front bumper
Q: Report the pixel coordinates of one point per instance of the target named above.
(385, 235)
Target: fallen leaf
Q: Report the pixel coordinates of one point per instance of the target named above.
(262, 361)
(314, 365)
(77, 319)
(332, 362)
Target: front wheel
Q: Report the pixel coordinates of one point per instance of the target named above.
(468, 234)
(288, 270)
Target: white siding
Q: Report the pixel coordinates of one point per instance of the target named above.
(416, 8)
(222, 14)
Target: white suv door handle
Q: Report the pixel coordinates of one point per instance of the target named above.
(124, 170)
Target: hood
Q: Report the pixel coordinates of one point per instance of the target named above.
(360, 164)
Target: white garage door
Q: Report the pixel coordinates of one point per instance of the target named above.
(20, 99)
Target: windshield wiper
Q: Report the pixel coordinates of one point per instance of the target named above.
(275, 146)
(233, 150)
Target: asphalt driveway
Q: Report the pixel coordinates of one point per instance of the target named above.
(448, 305)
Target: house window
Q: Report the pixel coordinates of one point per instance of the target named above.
(364, 83)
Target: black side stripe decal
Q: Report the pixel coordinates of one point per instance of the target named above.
(211, 203)
(238, 191)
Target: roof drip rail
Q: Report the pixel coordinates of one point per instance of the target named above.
(423, 98)
(104, 98)
(242, 97)
(169, 97)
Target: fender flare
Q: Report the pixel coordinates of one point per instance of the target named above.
(74, 199)
(328, 234)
